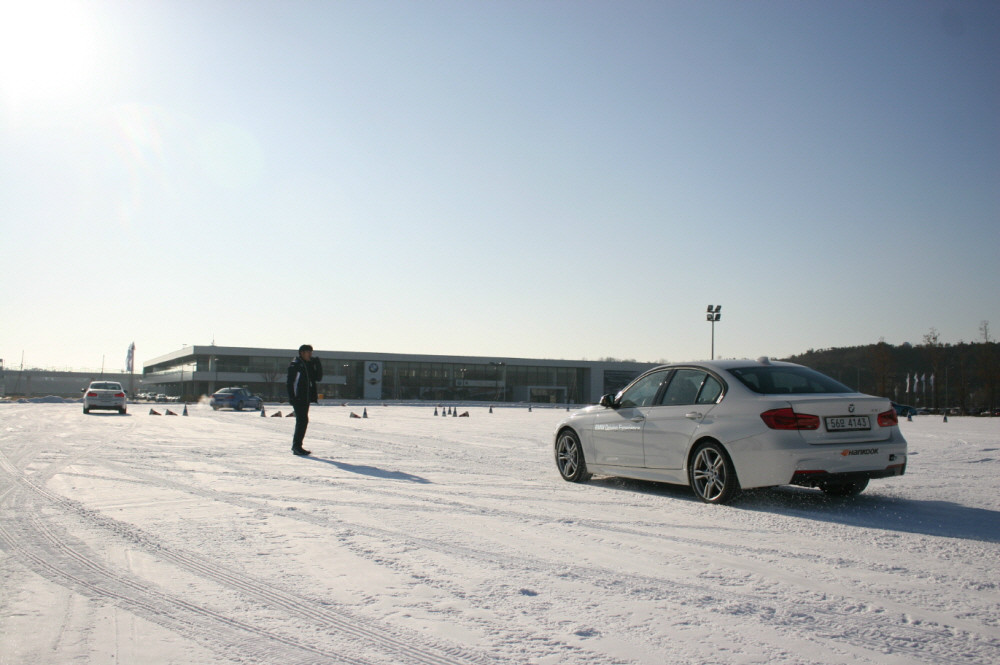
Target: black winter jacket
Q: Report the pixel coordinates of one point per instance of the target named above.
(302, 379)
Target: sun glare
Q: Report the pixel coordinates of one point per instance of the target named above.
(47, 49)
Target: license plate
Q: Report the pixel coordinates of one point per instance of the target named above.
(847, 423)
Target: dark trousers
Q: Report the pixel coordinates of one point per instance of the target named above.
(301, 423)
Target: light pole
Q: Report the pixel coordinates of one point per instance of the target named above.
(498, 365)
(713, 314)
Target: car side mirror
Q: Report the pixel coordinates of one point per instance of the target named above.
(607, 401)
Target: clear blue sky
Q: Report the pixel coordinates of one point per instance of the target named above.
(529, 179)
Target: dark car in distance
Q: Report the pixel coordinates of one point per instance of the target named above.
(236, 399)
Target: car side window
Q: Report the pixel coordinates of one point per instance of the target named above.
(683, 388)
(643, 391)
(710, 391)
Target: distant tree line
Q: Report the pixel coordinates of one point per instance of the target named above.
(933, 375)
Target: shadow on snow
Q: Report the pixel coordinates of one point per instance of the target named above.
(869, 510)
(371, 471)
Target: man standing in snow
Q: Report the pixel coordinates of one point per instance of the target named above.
(303, 374)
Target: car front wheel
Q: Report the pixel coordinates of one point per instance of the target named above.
(711, 473)
(569, 458)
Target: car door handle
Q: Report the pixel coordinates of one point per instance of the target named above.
(638, 419)
(694, 415)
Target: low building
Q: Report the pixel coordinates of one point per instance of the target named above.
(35, 382)
(194, 371)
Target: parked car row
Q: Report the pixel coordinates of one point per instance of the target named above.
(157, 397)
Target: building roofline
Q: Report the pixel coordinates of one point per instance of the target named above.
(191, 351)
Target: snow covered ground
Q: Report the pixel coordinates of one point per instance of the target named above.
(410, 538)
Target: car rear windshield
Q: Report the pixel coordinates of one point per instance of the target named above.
(787, 381)
(106, 386)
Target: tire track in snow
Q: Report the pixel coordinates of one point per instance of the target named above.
(83, 572)
(797, 567)
(870, 627)
(346, 530)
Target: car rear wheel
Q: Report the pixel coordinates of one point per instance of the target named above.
(239, 406)
(86, 410)
(711, 474)
(845, 487)
(569, 458)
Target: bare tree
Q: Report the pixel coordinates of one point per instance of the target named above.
(270, 377)
(881, 360)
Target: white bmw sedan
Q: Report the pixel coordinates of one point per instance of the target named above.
(726, 425)
(105, 395)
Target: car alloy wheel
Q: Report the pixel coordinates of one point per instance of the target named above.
(569, 458)
(711, 473)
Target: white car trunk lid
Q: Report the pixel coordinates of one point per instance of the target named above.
(843, 418)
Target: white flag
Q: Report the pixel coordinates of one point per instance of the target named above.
(907, 383)
(130, 357)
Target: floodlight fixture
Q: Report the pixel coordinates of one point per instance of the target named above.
(713, 314)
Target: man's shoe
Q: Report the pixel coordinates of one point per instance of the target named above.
(301, 451)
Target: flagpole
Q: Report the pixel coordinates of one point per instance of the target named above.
(130, 365)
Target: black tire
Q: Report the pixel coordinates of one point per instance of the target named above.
(712, 475)
(122, 412)
(239, 406)
(852, 487)
(86, 410)
(569, 457)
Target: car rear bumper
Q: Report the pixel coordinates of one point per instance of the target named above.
(816, 478)
(770, 465)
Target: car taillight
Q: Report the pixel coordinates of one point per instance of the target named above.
(119, 394)
(787, 419)
(91, 394)
(888, 418)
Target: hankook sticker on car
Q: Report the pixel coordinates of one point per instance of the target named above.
(860, 451)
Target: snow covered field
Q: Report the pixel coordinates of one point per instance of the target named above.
(410, 538)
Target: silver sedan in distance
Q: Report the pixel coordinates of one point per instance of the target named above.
(108, 395)
(725, 425)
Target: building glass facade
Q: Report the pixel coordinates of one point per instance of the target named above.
(201, 370)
